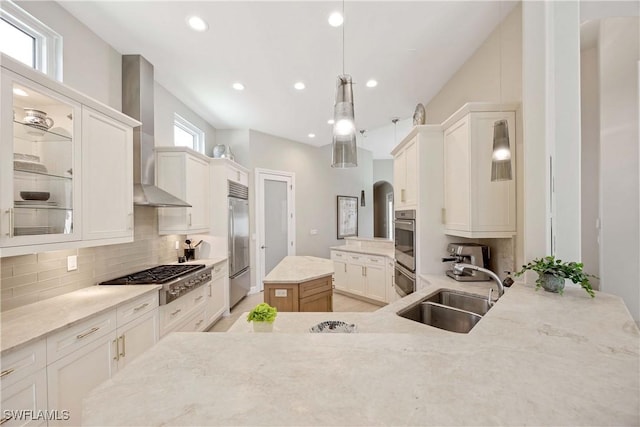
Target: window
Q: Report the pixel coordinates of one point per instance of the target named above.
(186, 134)
(29, 41)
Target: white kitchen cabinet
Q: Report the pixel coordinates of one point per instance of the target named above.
(24, 384)
(405, 176)
(90, 352)
(185, 174)
(361, 274)
(475, 207)
(107, 185)
(75, 152)
(215, 293)
(340, 278)
(235, 174)
(38, 158)
(72, 377)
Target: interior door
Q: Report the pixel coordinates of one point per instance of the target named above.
(275, 219)
(276, 240)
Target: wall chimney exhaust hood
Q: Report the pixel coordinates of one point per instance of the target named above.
(137, 102)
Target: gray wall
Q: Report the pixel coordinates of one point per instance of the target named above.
(317, 185)
(383, 170)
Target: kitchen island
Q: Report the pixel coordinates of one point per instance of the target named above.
(535, 359)
(300, 283)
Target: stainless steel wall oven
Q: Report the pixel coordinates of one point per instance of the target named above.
(405, 251)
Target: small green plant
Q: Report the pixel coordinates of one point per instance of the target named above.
(262, 312)
(565, 270)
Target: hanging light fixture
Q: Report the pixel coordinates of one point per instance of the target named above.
(344, 153)
(501, 156)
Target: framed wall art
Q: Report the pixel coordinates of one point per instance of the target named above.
(347, 216)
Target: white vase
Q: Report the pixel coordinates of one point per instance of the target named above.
(262, 326)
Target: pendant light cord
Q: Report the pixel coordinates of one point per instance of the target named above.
(343, 25)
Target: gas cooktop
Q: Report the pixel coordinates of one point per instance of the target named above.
(156, 275)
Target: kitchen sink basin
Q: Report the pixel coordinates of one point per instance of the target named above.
(473, 303)
(448, 310)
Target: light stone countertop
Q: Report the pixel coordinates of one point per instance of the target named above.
(28, 323)
(389, 253)
(296, 269)
(31, 322)
(536, 358)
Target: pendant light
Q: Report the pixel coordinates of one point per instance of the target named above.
(344, 153)
(501, 156)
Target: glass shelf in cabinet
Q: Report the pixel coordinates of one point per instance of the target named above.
(25, 173)
(32, 133)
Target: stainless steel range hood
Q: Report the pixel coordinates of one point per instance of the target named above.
(137, 102)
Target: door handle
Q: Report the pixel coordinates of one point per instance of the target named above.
(263, 247)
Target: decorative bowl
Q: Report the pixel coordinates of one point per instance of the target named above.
(333, 326)
(35, 195)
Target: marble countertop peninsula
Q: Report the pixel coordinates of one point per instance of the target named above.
(536, 358)
(296, 269)
(26, 324)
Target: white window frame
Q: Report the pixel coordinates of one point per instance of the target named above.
(195, 131)
(48, 43)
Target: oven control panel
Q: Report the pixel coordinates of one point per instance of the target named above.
(184, 285)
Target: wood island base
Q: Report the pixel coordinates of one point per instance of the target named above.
(310, 295)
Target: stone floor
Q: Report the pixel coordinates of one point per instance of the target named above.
(340, 303)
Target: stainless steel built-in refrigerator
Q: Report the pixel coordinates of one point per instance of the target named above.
(239, 269)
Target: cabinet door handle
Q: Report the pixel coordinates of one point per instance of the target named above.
(6, 372)
(130, 220)
(86, 334)
(5, 419)
(190, 222)
(123, 345)
(10, 213)
(199, 323)
(199, 298)
(345, 267)
(140, 307)
(402, 196)
(176, 312)
(117, 343)
(365, 271)
(210, 291)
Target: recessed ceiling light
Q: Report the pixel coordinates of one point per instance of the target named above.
(336, 19)
(331, 121)
(238, 86)
(196, 23)
(299, 85)
(372, 83)
(312, 135)
(19, 92)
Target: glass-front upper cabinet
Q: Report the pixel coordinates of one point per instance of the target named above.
(40, 157)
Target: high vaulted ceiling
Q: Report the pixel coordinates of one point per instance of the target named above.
(410, 48)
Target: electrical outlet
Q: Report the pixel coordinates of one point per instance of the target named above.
(72, 262)
(313, 231)
(177, 244)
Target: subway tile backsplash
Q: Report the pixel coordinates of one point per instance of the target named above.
(29, 278)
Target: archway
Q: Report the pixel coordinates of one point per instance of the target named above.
(383, 210)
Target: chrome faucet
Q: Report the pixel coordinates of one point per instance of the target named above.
(460, 267)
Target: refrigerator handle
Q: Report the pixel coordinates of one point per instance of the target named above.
(232, 233)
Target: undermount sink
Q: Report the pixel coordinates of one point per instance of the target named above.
(449, 310)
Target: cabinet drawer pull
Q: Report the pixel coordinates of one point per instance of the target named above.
(122, 354)
(87, 333)
(199, 322)
(6, 372)
(140, 307)
(199, 298)
(176, 312)
(5, 419)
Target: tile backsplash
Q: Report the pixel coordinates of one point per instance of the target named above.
(29, 278)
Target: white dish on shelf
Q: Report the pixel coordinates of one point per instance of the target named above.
(26, 157)
(27, 166)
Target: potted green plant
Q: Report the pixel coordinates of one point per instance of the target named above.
(262, 316)
(553, 272)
